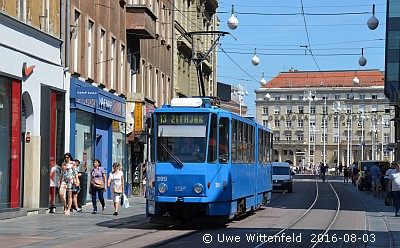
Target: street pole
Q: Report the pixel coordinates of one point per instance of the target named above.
(348, 140)
(240, 103)
(362, 137)
(338, 144)
(309, 133)
(382, 136)
(325, 110)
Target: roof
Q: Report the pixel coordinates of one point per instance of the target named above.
(297, 79)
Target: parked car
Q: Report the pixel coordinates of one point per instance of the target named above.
(282, 176)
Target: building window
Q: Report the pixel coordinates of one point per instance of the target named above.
(337, 96)
(300, 123)
(374, 96)
(312, 137)
(101, 56)
(265, 123)
(288, 136)
(277, 122)
(362, 96)
(276, 136)
(301, 109)
(374, 108)
(288, 123)
(90, 49)
(324, 138)
(288, 109)
(386, 137)
(285, 152)
(335, 153)
(277, 110)
(301, 97)
(288, 97)
(336, 122)
(122, 68)
(265, 110)
(300, 136)
(112, 63)
(75, 30)
(312, 110)
(277, 98)
(336, 138)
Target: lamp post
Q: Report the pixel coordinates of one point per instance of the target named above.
(362, 118)
(309, 95)
(337, 107)
(240, 92)
(373, 136)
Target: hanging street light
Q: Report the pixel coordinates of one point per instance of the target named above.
(233, 22)
(263, 81)
(373, 22)
(362, 61)
(255, 60)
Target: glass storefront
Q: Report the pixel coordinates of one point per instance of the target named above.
(5, 144)
(84, 143)
(118, 145)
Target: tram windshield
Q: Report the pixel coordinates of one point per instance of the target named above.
(181, 137)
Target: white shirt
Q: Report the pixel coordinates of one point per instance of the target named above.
(116, 178)
(395, 181)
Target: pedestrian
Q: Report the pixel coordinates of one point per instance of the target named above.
(98, 185)
(376, 180)
(394, 187)
(62, 186)
(340, 169)
(116, 184)
(389, 172)
(70, 178)
(345, 175)
(77, 188)
(323, 171)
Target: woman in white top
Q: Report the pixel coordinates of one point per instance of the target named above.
(116, 184)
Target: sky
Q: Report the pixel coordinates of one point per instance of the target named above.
(333, 31)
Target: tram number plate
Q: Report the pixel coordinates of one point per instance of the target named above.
(276, 184)
(162, 179)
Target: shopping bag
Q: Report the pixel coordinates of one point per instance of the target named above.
(125, 202)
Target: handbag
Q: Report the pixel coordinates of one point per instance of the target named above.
(98, 184)
(389, 200)
(122, 199)
(117, 188)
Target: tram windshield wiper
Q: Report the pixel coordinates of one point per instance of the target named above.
(172, 154)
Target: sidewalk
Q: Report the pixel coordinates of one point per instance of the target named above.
(52, 229)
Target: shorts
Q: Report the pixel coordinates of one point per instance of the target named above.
(116, 196)
(376, 182)
(76, 189)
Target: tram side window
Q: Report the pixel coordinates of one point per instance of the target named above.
(269, 147)
(223, 140)
(212, 148)
(260, 149)
(245, 149)
(240, 142)
(234, 141)
(265, 147)
(252, 144)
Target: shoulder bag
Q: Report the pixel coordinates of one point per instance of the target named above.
(98, 184)
(117, 188)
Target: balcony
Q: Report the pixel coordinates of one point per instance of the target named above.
(140, 22)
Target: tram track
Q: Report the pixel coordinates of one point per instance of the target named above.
(304, 215)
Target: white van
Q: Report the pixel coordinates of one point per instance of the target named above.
(281, 176)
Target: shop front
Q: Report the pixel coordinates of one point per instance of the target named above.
(94, 119)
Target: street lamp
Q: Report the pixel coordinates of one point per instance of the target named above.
(240, 92)
(373, 22)
(233, 21)
(337, 107)
(309, 95)
(255, 60)
(362, 118)
(374, 133)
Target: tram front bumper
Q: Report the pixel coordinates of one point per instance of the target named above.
(186, 199)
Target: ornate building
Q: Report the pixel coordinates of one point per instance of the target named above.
(331, 116)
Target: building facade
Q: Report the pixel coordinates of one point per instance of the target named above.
(392, 64)
(334, 116)
(96, 58)
(194, 16)
(32, 102)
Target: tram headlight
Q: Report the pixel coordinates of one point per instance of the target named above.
(198, 188)
(162, 188)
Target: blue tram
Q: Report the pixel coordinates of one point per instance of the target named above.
(205, 161)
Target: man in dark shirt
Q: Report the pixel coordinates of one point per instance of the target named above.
(323, 171)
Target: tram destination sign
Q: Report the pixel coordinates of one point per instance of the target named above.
(182, 119)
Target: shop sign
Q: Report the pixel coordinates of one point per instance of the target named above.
(105, 103)
(138, 116)
(135, 97)
(87, 92)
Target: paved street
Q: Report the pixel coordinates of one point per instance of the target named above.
(132, 228)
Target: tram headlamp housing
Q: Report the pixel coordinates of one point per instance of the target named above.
(198, 188)
(162, 188)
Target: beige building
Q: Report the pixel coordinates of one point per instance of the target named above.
(194, 16)
(332, 116)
